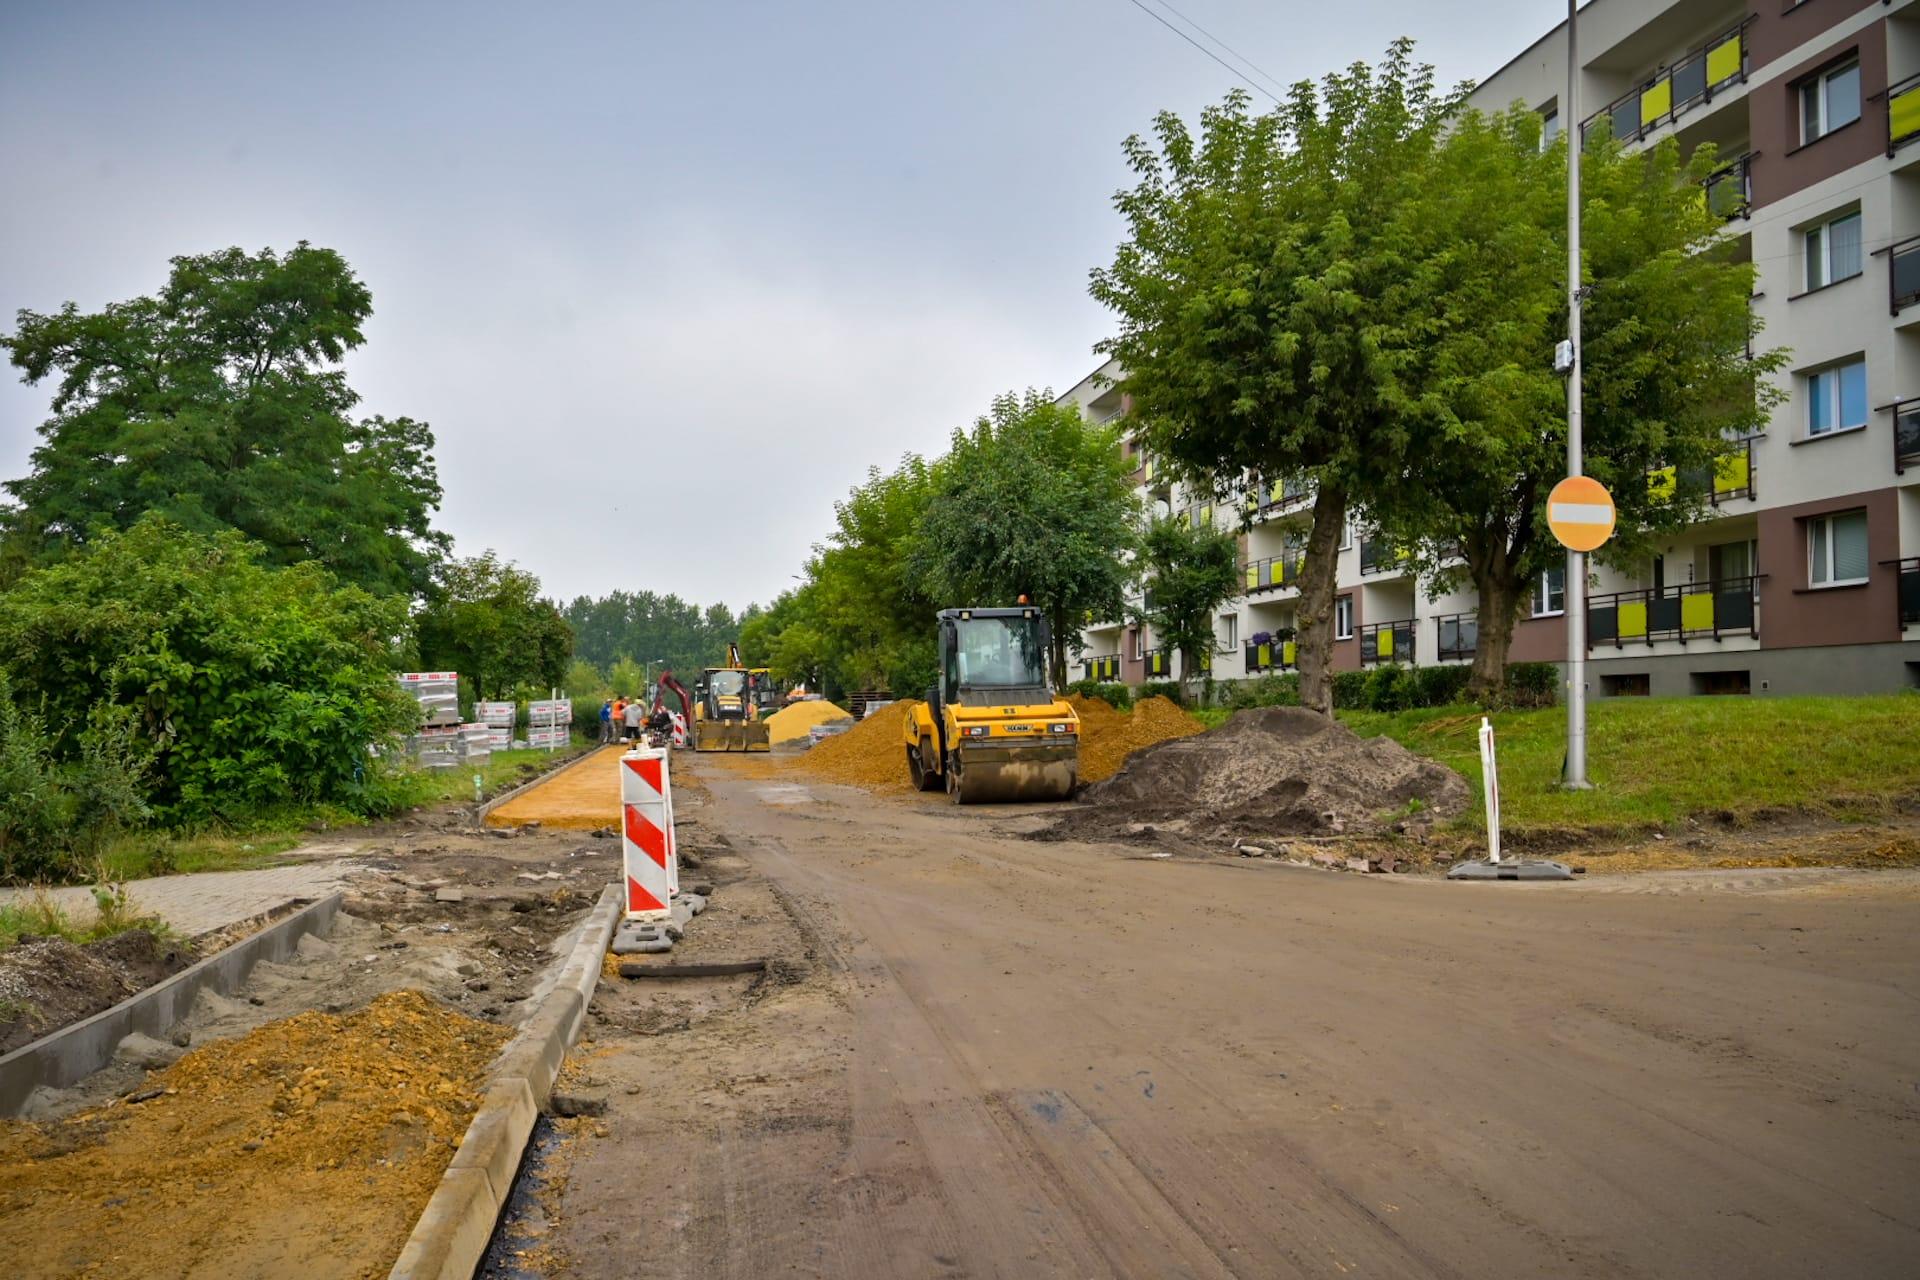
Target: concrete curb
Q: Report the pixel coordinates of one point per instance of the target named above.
(480, 817)
(451, 1236)
(75, 1052)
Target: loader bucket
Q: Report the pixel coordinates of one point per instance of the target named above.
(731, 735)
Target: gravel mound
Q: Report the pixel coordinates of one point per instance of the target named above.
(1272, 771)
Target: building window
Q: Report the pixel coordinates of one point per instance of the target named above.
(1346, 532)
(1549, 127)
(1837, 549)
(1828, 101)
(1837, 398)
(1138, 643)
(1343, 618)
(1833, 251)
(1229, 631)
(1550, 593)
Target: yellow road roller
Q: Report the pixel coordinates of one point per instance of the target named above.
(992, 730)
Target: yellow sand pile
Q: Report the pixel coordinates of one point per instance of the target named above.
(790, 724)
(1108, 737)
(871, 754)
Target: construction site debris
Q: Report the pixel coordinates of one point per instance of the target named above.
(1272, 771)
(792, 725)
(1108, 736)
(871, 754)
(49, 983)
(306, 1147)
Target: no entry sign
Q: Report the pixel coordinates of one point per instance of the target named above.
(1580, 513)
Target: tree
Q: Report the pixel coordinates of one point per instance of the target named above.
(1033, 501)
(1266, 314)
(485, 619)
(650, 629)
(246, 687)
(220, 404)
(1190, 572)
(1668, 379)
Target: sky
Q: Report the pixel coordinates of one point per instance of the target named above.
(665, 279)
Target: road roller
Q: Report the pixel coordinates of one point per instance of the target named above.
(992, 729)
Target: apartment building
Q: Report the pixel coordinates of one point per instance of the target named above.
(1806, 579)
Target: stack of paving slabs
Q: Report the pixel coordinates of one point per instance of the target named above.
(499, 718)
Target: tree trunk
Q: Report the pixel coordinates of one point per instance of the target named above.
(1500, 599)
(1057, 659)
(1313, 615)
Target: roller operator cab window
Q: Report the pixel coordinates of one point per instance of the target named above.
(999, 653)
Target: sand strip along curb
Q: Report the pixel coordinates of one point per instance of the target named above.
(451, 1236)
(480, 818)
(75, 1052)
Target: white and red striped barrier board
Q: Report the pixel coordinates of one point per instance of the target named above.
(651, 866)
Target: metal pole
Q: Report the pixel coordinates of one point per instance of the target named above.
(1576, 584)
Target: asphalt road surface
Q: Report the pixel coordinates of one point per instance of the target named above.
(1016, 1058)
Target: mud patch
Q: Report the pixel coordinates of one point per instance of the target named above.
(1273, 771)
(49, 983)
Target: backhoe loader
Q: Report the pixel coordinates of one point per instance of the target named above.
(992, 730)
(726, 717)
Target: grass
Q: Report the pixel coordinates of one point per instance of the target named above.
(1658, 761)
(40, 916)
(503, 771)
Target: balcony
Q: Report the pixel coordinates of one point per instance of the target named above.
(1386, 642)
(1730, 188)
(1903, 114)
(1458, 636)
(1273, 573)
(1714, 68)
(1733, 477)
(1277, 655)
(1906, 434)
(1105, 667)
(1903, 273)
(1695, 610)
(1377, 556)
(1282, 495)
(1909, 594)
(1158, 664)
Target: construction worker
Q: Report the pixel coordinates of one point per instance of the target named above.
(635, 713)
(619, 717)
(606, 720)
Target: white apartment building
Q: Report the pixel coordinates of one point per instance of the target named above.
(1807, 577)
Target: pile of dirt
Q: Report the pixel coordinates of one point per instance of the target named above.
(49, 983)
(1108, 737)
(871, 754)
(1273, 771)
(790, 724)
(306, 1147)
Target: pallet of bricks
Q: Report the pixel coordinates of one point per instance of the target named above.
(436, 744)
(498, 717)
(550, 723)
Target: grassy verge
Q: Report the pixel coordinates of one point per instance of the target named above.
(1657, 761)
(503, 771)
(40, 916)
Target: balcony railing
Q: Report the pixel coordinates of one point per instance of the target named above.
(1903, 273)
(1276, 655)
(1105, 666)
(1906, 434)
(1273, 573)
(1732, 477)
(1908, 597)
(1730, 188)
(1694, 610)
(1386, 642)
(1458, 638)
(1719, 64)
(1378, 556)
(1278, 496)
(1903, 113)
(1158, 664)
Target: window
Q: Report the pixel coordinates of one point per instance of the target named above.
(1829, 100)
(1229, 631)
(1550, 593)
(1549, 127)
(1837, 549)
(1343, 618)
(1346, 532)
(1832, 251)
(1837, 398)
(1137, 643)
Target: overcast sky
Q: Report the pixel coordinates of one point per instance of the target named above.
(666, 279)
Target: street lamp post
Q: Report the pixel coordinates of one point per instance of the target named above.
(1575, 775)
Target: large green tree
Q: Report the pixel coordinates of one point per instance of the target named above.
(486, 619)
(1668, 381)
(1035, 501)
(1190, 571)
(1268, 312)
(651, 628)
(220, 403)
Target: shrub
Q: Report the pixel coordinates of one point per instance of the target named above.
(1390, 687)
(1161, 689)
(236, 687)
(55, 817)
(1532, 684)
(1440, 686)
(1350, 690)
(1118, 696)
(1278, 689)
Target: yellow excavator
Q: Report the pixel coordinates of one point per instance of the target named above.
(992, 730)
(726, 712)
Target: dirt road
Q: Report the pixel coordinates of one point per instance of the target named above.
(1017, 1058)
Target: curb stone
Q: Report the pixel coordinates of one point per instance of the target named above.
(451, 1236)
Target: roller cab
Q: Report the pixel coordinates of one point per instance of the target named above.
(992, 730)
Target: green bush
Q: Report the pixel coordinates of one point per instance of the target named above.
(1162, 689)
(56, 817)
(1118, 696)
(1278, 689)
(1440, 686)
(1350, 690)
(240, 688)
(1390, 687)
(1532, 684)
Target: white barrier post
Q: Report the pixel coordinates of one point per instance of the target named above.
(651, 863)
(1490, 786)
